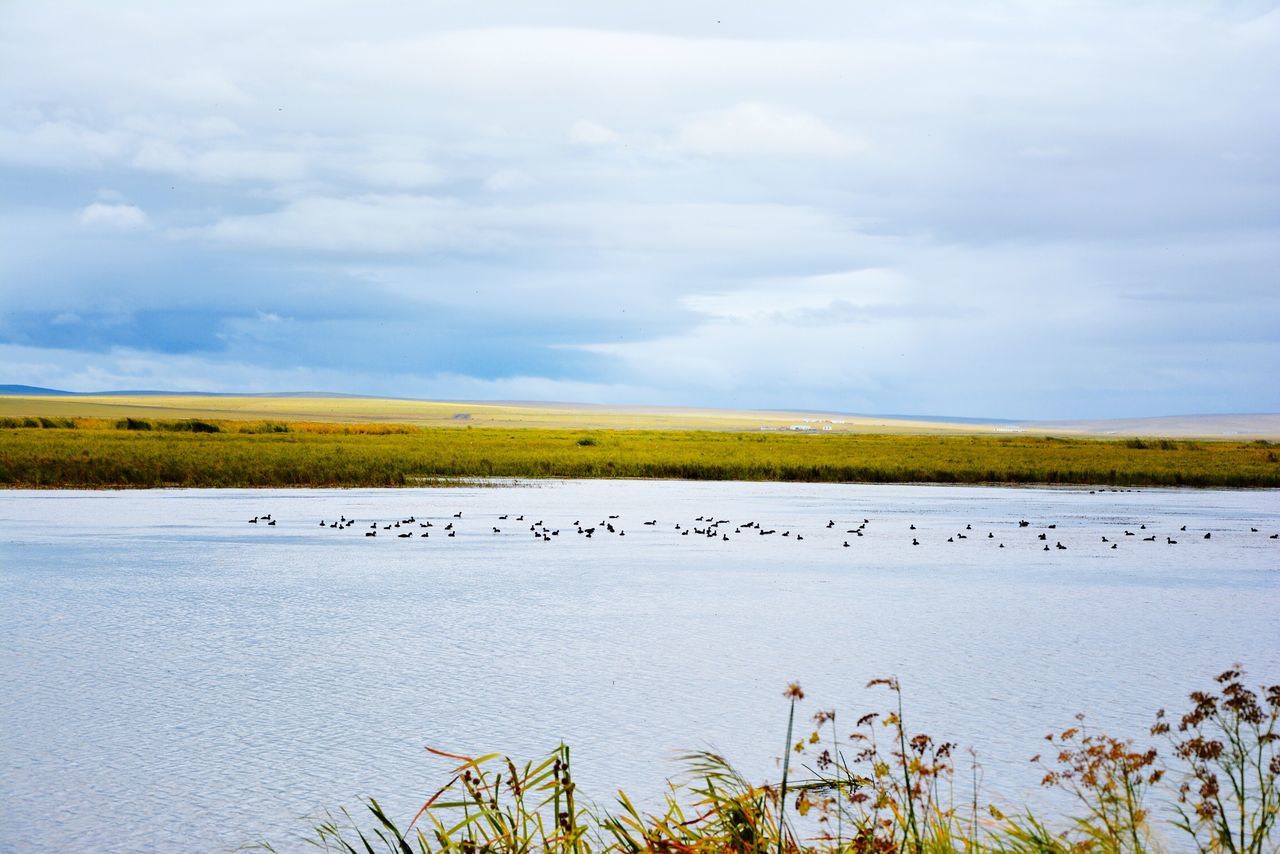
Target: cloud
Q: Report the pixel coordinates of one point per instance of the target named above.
(589, 133)
(506, 180)
(761, 129)
(980, 209)
(120, 217)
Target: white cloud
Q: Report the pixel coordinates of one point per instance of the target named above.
(222, 165)
(763, 129)
(589, 133)
(505, 180)
(114, 216)
(372, 223)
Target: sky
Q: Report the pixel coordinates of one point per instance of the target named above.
(1007, 210)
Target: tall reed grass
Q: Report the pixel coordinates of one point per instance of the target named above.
(880, 789)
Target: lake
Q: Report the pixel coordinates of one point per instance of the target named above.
(174, 677)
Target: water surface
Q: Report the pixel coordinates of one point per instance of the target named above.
(173, 677)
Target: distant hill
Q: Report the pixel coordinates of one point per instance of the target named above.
(31, 390)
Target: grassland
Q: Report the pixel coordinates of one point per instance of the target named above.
(139, 452)
(426, 413)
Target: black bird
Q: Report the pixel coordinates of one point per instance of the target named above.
(272, 522)
(371, 533)
(914, 541)
(1172, 541)
(831, 523)
(458, 515)
(1207, 535)
(1183, 528)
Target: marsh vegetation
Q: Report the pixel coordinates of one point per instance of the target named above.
(1206, 783)
(137, 452)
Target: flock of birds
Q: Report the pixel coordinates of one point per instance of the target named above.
(706, 526)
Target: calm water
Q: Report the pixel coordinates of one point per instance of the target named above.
(174, 678)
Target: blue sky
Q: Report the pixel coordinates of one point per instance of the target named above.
(1025, 210)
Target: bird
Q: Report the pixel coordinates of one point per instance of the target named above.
(1207, 535)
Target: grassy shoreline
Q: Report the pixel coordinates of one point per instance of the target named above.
(138, 453)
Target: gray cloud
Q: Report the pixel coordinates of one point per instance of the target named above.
(1006, 210)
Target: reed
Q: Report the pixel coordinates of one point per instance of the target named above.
(892, 788)
(198, 453)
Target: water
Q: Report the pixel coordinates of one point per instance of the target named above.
(174, 678)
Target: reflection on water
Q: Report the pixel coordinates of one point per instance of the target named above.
(173, 673)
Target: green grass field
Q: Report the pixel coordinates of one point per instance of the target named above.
(97, 453)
